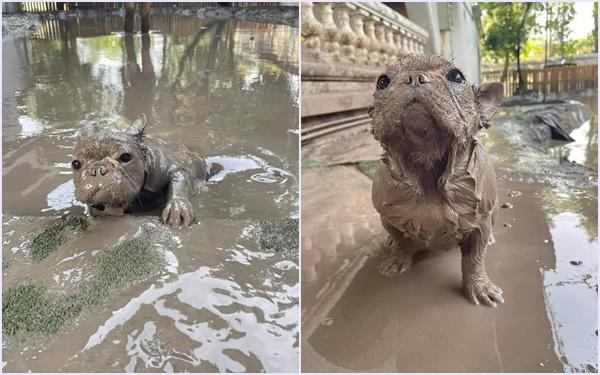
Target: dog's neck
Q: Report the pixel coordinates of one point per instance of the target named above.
(430, 177)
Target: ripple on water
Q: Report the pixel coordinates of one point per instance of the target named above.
(233, 326)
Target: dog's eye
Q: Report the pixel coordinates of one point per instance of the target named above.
(455, 76)
(383, 82)
(125, 158)
(76, 164)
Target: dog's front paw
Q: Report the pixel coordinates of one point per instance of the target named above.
(481, 290)
(178, 211)
(395, 264)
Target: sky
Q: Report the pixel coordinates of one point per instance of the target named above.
(582, 24)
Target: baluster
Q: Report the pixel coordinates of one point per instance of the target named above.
(382, 44)
(411, 44)
(330, 32)
(347, 36)
(393, 51)
(373, 42)
(405, 41)
(398, 42)
(362, 40)
(311, 29)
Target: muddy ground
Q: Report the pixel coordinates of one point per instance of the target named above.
(544, 259)
(222, 295)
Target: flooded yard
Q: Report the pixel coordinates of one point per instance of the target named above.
(224, 294)
(544, 259)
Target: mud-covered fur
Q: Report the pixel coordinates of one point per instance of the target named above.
(435, 189)
(124, 171)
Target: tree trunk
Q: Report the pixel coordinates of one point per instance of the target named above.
(505, 71)
(522, 82)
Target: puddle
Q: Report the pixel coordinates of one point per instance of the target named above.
(226, 89)
(571, 287)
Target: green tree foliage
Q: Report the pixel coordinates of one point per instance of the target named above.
(594, 35)
(560, 16)
(506, 28)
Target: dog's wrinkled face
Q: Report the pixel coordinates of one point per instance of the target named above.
(423, 104)
(108, 166)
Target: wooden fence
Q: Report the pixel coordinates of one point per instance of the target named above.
(558, 79)
(47, 6)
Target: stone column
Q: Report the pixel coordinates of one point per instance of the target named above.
(341, 14)
(382, 43)
(362, 40)
(311, 30)
(331, 34)
(373, 42)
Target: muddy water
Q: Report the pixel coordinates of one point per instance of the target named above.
(227, 89)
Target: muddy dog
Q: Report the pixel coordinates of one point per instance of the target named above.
(126, 172)
(435, 187)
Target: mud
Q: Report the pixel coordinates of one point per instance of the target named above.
(355, 319)
(223, 300)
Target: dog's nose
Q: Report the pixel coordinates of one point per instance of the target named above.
(416, 79)
(100, 168)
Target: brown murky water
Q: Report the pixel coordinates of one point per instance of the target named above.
(228, 89)
(544, 259)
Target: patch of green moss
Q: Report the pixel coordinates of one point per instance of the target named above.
(5, 264)
(125, 262)
(279, 235)
(28, 308)
(368, 167)
(312, 163)
(49, 239)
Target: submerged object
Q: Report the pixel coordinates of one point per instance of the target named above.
(557, 132)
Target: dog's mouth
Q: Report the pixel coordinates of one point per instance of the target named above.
(99, 207)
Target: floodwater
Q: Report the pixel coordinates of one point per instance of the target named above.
(544, 259)
(226, 89)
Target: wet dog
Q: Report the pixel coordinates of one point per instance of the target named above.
(435, 188)
(126, 172)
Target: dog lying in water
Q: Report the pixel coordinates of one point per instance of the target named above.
(435, 187)
(125, 172)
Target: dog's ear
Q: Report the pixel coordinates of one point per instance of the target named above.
(488, 98)
(138, 126)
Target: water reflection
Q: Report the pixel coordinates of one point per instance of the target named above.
(228, 89)
(219, 87)
(139, 94)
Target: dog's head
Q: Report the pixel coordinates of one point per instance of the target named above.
(423, 104)
(109, 166)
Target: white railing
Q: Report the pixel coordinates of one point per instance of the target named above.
(368, 34)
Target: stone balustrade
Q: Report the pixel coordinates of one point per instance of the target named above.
(345, 47)
(364, 34)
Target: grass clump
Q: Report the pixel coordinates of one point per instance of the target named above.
(279, 235)
(125, 262)
(49, 239)
(28, 308)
